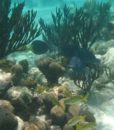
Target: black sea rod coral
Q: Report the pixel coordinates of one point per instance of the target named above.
(16, 28)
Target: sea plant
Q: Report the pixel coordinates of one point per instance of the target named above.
(74, 28)
(17, 29)
(72, 33)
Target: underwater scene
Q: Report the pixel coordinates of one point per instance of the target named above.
(56, 65)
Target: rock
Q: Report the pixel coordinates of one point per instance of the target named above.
(36, 74)
(108, 75)
(25, 65)
(80, 109)
(55, 128)
(51, 69)
(73, 110)
(36, 104)
(108, 60)
(64, 91)
(42, 125)
(5, 82)
(20, 123)
(6, 65)
(29, 83)
(102, 100)
(105, 83)
(14, 93)
(68, 83)
(101, 82)
(58, 116)
(66, 127)
(36, 124)
(21, 98)
(84, 111)
(47, 100)
(101, 47)
(6, 105)
(30, 126)
(17, 72)
(42, 118)
(7, 120)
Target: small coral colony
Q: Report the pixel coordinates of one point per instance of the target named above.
(67, 42)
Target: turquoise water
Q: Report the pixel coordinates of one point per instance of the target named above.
(45, 7)
(47, 3)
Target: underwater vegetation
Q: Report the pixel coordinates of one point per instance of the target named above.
(39, 95)
(74, 28)
(16, 28)
(72, 33)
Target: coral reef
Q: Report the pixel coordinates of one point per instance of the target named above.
(51, 103)
(5, 82)
(4, 104)
(75, 28)
(72, 33)
(51, 69)
(25, 65)
(21, 98)
(7, 120)
(17, 73)
(42, 95)
(6, 65)
(58, 116)
(17, 29)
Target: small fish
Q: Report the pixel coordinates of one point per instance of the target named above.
(39, 47)
(75, 99)
(76, 67)
(75, 62)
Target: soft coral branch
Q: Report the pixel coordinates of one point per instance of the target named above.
(16, 29)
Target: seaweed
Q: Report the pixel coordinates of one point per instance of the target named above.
(72, 33)
(74, 28)
(17, 29)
